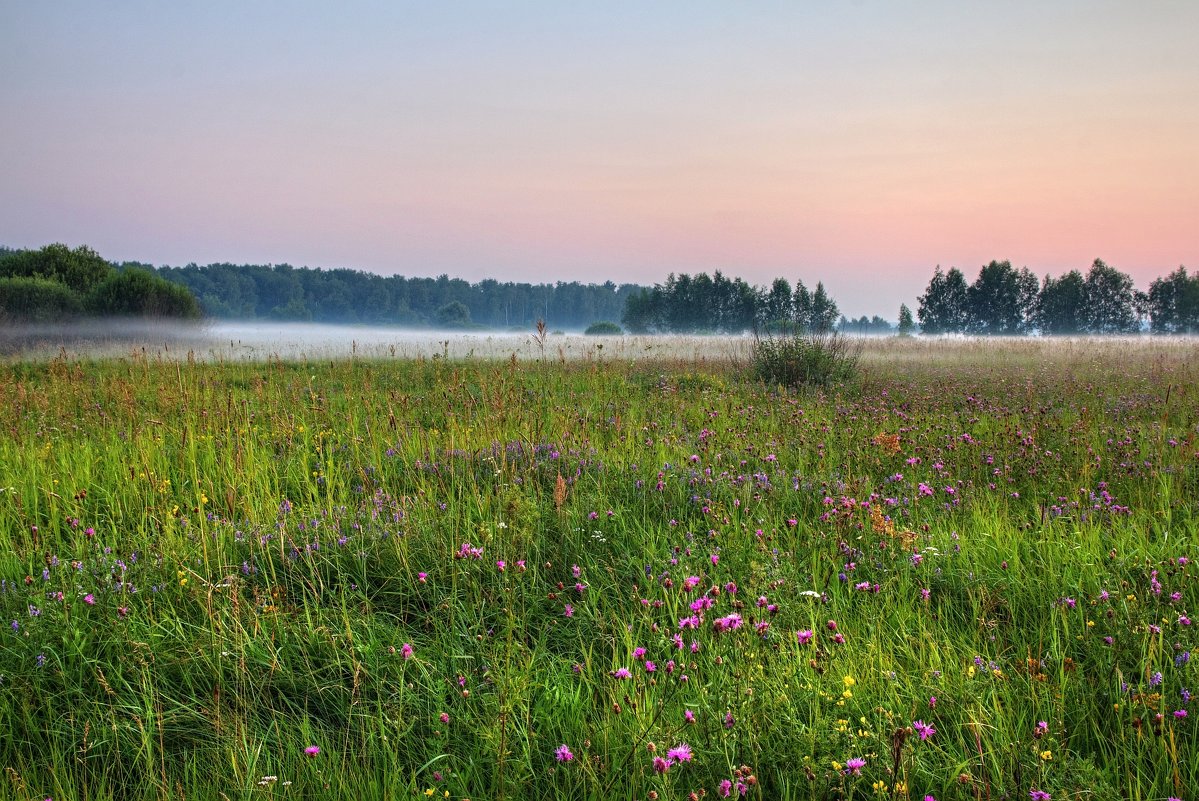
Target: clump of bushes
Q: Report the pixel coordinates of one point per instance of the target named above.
(603, 328)
(802, 359)
(58, 283)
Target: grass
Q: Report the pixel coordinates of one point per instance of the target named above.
(438, 571)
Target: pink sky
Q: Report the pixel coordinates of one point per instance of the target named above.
(850, 143)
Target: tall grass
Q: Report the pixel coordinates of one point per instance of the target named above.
(438, 571)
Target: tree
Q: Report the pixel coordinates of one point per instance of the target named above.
(140, 293)
(81, 269)
(824, 311)
(802, 303)
(639, 312)
(29, 299)
(1000, 301)
(777, 306)
(1110, 301)
(944, 306)
(906, 325)
(1060, 304)
(454, 314)
(1174, 304)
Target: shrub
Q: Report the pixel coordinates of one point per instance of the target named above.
(37, 300)
(801, 359)
(136, 292)
(603, 328)
(81, 269)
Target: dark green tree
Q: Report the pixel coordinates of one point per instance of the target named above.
(81, 269)
(778, 309)
(1060, 304)
(28, 299)
(1002, 300)
(1110, 301)
(906, 324)
(454, 314)
(824, 311)
(802, 304)
(1174, 304)
(944, 306)
(135, 292)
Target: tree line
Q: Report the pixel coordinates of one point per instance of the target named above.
(56, 283)
(686, 304)
(1005, 301)
(284, 292)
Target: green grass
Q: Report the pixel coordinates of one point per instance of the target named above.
(208, 568)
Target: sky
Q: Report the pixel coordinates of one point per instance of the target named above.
(860, 144)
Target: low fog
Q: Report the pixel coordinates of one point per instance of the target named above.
(260, 341)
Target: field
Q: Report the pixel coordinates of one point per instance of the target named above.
(623, 572)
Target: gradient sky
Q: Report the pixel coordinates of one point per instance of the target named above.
(857, 143)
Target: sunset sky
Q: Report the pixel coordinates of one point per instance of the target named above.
(857, 143)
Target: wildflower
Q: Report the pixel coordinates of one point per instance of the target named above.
(932, 702)
(727, 623)
(444, 717)
(312, 750)
(1046, 756)
(568, 610)
(680, 753)
(925, 730)
(563, 753)
(854, 765)
(1038, 795)
(1041, 729)
(1179, 714)
(688, 716)
(406, 651)
(661, 765)
(500, 565)
(804, 636)
(422, 577)
(621, 673)
(89, 599)
(725, 788)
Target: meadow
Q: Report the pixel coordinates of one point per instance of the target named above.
(969, 573)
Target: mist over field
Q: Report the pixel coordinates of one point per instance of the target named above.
(259, 341)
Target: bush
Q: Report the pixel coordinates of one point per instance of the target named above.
(37, 300)
(803, 360)
(81, 269)
(136, 292)
(603, 328)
